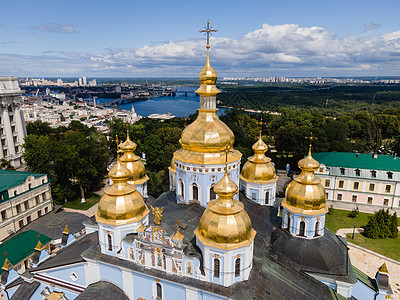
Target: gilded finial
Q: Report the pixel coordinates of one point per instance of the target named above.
(207, 31)
(383, 269)
(177, 236)
(157, 212)
(39, 246)
(66, 231)
(7, 264)
(261, 123)
(127, 132)
(185, 121)
(226, 150)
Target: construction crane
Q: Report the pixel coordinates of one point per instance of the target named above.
(37, 92)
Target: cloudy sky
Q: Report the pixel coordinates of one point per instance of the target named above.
(161, 38)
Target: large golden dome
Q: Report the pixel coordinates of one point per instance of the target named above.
(204, 139)
(305, 194)
(258, 168)
(225, 224)
(121, 202)
(133, 162)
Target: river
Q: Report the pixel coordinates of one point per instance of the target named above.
(179, 106)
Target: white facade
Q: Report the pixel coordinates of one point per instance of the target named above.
(261, 193)
(12, 123)
(194, 182)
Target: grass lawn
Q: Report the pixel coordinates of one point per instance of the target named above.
(387, 247)
(91, 199)
(338, 219)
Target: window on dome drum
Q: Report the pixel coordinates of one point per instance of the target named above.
(288, 223)
(371, 187)
(342, 171)
(237, 267)
(358, 172)
(159, 291)
(321, 169)
(195, 192)
(387, 189)
(373, 174)
(253, 196)
(339, 197)
(302, 228)
(216, 267)
(354, 198)
(327, 182)
(355, 186)
(316, 229)
(109, 240)
(181, 188)
(341, 184)
(213, 195)
(386, 202)
(369, 200)
(390, 175)
(267, 197)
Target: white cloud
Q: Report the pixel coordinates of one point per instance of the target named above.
(55, 28)
(284, 50)
(368, 26)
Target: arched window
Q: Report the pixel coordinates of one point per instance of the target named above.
(267, 197)
(109, 242)
(181, 187)
(159, 291)
(302, 228)
(288, 223)
(216, 267)
(237, 267)
(213, 195)
(317, 228)
(195, 192)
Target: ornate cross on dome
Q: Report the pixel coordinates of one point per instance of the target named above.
(261, 123)
(226, 150)
(208, 31)
(311, 138)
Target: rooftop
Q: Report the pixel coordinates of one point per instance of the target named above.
(10, 178)
(21, 246)
(358, 160)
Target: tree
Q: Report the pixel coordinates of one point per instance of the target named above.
(5, 164)
(381, 225)
(39, 128)
(37, 153)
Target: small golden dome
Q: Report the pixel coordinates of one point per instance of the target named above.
(208, 78)
(121, 202)
(258, 168)
(137, 170)
(305, 194)
(225, 224)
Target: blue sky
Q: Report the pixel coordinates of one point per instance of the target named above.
(161, 38)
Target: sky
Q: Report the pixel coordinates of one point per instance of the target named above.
(161, 38)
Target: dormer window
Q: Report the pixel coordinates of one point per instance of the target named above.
(358, 172)
(390, 175)
(342, 171)
(373, 174)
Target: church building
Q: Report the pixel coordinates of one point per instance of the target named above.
(218, 245)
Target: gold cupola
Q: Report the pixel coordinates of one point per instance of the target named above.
(258, 168)
(203, 140)
(305, 194)
(137, 171)
(225, 224)
(121, 202)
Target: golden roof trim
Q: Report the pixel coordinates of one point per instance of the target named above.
(309, 212)
(120, 221)
(66, 231)
(275, 179)
(383, 269)
(226, 246)
(39, 246)
(7, 265)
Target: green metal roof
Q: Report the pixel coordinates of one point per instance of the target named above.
(10, 179)
(362, 161)
(19, 247)
(364, 278)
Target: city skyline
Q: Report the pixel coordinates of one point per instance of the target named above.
(263, 38)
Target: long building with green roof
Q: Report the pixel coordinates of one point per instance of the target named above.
(18, 249)
(356, 180)
(24, 197)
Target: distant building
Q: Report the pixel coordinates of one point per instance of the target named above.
(24, 197)
(367, 181)
(12, 123)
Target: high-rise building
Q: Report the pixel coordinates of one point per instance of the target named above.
(84, 82)
(12, 123)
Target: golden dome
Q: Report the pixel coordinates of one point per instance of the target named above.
(225, 224)
(258, 168)
(137, 170)
(305, 194)
(208, 79)
(121, 202)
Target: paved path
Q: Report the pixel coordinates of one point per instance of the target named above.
(368, 262)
